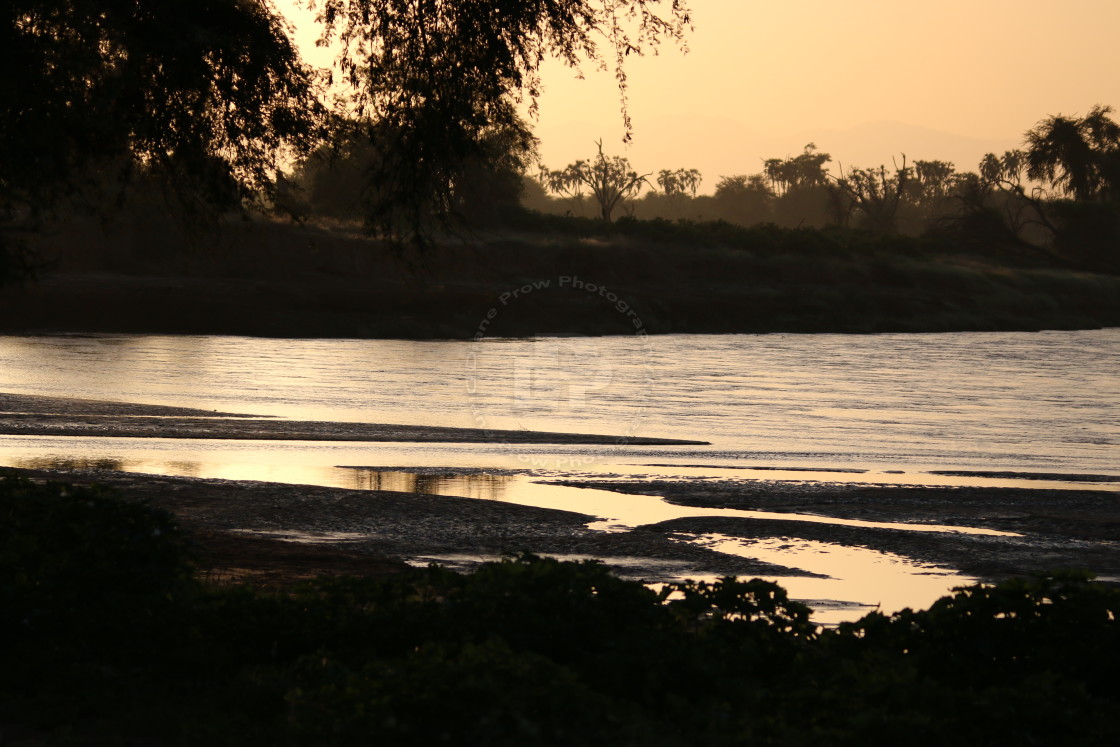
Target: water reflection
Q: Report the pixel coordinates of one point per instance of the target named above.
(860, 577)
(1042, 402)
(474, 485)
(856, 580)
(69, 463)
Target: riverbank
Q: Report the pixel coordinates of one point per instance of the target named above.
(26, 415)
(1034, 530)
(283, 532)
(114, 638)
(242, 529)
(276, 534)
(271, 279)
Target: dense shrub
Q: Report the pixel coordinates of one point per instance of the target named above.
(527, 651)
(76, 555)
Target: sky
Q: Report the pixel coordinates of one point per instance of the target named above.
(865, 80)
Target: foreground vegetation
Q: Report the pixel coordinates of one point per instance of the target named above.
(109, 637)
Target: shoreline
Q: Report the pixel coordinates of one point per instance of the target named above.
(273, 279)
(241, 526)
(279, 532)
(276, 534)
(28, 415)
(341, 308)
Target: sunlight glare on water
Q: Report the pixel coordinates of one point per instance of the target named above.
(1043, 401)
(881, 409)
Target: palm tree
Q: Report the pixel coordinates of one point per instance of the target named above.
(1069, 152)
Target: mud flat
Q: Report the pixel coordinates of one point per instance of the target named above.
(1043, 529)
(277, 532)
(24, 415)
(273, 532)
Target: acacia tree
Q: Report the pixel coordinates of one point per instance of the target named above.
(610, 179)
(438, 74)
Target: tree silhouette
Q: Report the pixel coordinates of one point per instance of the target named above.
(205, 96)
(209, 91)
(680, 182)
(441, 74)
(934, 181)
(876, 193)
(212, 93)
(797, 172)
(678, 186)
(1076, 155)
(610, 179)
(744, 199)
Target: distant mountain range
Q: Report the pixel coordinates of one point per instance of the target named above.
(720, 146)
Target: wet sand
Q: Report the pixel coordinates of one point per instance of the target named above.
(24, 415)
(274, 532)
(1057, 529)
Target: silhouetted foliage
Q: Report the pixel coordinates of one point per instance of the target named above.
(876, 194)
(680, 182)
(528, 650)
(438, 75)
(1076, 155)
(611, 180)
(1056, 197)
(341, 179)
(70, 557)
(201, 96)
(208, 92)
(797, 172)
(744, 199)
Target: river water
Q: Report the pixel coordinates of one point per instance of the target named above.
(890, 408)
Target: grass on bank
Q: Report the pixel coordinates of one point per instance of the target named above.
(275, 279)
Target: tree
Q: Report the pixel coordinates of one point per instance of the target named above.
(677, 187)
(212, 93)
(933, 181)
(208, 91)
(1078, 156)
(679, 182)
(797, 172)
(876, 193)
(610, 179)
(205, 94)
(744, 199)
(335, 180)
(439, 74)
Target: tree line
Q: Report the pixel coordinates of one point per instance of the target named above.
(1059, 194)
(207, 100)
(208, 103)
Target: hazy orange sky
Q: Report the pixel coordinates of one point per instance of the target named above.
(863, 79)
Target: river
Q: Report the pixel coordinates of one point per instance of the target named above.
(891, 408)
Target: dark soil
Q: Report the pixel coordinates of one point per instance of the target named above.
(1054, 528)
(22, 415)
